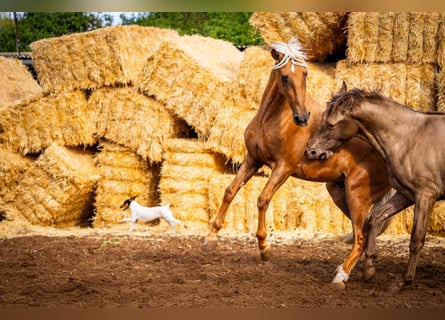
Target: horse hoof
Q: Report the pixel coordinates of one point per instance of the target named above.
(339, 285)
(265, 254)
(396, 286)
(209, 244)
(369, 273)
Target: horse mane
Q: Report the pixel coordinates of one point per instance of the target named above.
(292, 51)
(347, 101)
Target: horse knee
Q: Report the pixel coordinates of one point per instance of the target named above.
(263, 203)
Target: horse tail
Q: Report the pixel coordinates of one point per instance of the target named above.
(385, 198)
(349, 238)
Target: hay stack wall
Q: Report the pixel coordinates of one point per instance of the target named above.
(62, 118)
(59, 189)
(18, 85)
(123, 174)
(412, 85)
(132, 119)
(298, 205)
(93, 59)
(190, 75)
(185, 172)
(395, 37)
(321, 33)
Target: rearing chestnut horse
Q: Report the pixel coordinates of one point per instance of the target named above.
(277, 137)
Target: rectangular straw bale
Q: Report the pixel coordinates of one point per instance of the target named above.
(316, 210)
(132, 119)
(190, 76)
(413, 85)
(93, 59)
(18, 85)
(12, 168)
(123, 174)
(227, 134)
(393, 37)
(400, 38)
(441, 41)
(58, 190)
(321, 33)
(251, 79)
(63, 118)
(185, 172)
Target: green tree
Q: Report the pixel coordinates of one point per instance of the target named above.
(230, 26)
(33, 26)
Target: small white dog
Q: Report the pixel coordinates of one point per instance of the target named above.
(145, 214)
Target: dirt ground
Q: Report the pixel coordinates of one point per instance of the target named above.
(109, 269)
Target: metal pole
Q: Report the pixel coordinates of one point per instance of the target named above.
(17, 39)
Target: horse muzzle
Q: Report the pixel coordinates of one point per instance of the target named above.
(302, 120)
(314, 154)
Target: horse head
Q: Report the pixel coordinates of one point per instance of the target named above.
(335, 128)
(290, 77)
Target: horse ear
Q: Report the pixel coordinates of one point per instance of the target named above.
(275, 54)
(343, 87)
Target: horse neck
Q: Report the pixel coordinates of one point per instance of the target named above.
(271, 98)
(273, 104)
(386, 125)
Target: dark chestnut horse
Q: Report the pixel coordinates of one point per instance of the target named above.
(277, 137)
(412, 144)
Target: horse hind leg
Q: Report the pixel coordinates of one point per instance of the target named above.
(379, 216)
(422, 210)
(247, 169)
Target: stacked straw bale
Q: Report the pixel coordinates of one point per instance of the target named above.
(59, 189)
(63, 118)
(411, 84)
(18, 85)
(12, 168)
(123, 174)
(93, 59)
(321, 33)
(185, 172)
(132, 119)
(395, 37)
(190, 75)
(244, 96)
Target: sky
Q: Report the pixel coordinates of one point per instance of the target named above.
(116, 18)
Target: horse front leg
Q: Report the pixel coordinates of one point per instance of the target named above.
(277, 178)
(379, 214)
(358, 206)
(247, 169)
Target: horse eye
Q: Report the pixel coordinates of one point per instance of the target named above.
(330, 126)
(285, 79)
